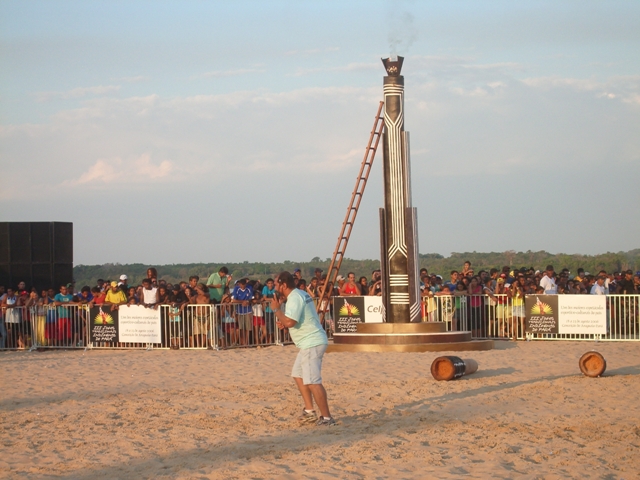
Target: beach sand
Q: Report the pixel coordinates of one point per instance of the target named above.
(527, 413)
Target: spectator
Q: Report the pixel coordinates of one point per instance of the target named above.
(312, 289)
(132, 295)
(337, 288)
(200, 316)
(626, 285)
(375, 286)
(268, 292)
(302, 284)
(242, 296)
(598, 288)
(152, 275)
(453, 281)
(122, 283)
(63, 300)
(466, 269)
(12, 318)
(98, 297)
(38, 314)
(548, 282)
(149, 297)
(115, 296)
(476, 316)
(193, 283)
(217, 283)
(363, 284)
(259, 330)
(349, 288)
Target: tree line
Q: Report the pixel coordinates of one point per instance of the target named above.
(434, 262)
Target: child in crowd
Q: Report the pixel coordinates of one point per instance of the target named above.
(259, 330)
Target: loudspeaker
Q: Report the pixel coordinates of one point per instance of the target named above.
(4, 243)
(20, 242)
(38, 253)
(41, 242)
(62, 242)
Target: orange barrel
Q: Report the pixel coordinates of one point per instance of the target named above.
(450, 367)
(592, 364)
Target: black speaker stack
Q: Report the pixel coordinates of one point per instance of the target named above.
(38, 253)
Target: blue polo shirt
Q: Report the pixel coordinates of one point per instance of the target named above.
(242, 294)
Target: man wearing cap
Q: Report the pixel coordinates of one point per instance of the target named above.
(115, 296)
(122, 284)
(301, 318)
(548, 282)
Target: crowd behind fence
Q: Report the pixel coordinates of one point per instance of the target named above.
(220, 326)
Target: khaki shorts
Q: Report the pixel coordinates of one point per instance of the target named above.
(245, 321)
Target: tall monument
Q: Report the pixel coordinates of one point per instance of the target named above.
(398, 219)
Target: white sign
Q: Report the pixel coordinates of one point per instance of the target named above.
(582, 314)
(373, 309)
(137, 324)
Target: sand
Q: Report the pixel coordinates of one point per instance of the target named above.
(527, 413)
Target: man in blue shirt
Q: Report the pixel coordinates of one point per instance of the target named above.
(242, 296)
(301, 318)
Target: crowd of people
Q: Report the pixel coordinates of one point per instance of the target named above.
(245, 316)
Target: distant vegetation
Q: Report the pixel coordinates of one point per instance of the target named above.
(435, 263)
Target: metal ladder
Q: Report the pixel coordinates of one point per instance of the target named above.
(352, 209)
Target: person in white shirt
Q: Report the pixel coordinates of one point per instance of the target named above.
(548, 282)
(598, 287)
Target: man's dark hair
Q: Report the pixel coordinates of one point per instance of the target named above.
(550, 268)
(492, 271)
(146, 280)
(86, 288)
(224, 270)
(194, 277)
(453, 271)
(285, 278)
(269, 280)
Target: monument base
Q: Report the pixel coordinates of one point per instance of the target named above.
(406, 337)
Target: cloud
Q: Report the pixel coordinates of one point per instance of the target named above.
(228, 73)
(115, 170)
(136, 79)
(77, 93)
(351, 67)
(312, 51)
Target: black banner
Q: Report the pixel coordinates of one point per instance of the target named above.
(542, 313)
(348, 312)
(104, 324)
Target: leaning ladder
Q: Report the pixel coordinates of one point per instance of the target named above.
(352, 209)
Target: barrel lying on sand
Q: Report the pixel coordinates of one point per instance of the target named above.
(450, 367)
(592, 364)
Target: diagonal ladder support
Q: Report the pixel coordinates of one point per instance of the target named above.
(352, 209)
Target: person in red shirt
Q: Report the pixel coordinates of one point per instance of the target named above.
(350, 288)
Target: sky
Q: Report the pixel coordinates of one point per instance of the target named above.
(194, 131)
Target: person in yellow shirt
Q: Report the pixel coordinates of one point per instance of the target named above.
(115, 296)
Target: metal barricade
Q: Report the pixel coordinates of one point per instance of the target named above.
(486, 316)
(16, 328)
(51, 326)
(235, 329)
(623, 319)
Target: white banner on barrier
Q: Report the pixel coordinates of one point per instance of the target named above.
(373, 309)
(137, 324)
(582, 314)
